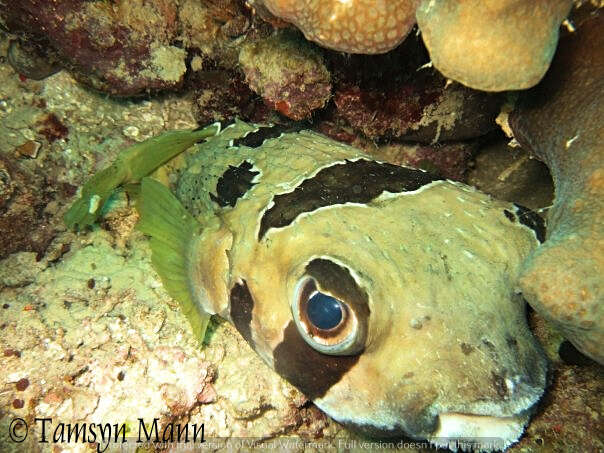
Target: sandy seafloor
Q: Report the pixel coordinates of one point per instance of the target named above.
(88, 335)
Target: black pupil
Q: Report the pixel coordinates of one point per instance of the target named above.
(324, 311)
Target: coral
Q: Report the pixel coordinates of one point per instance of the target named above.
(492, 45)
(489, 45)
(354, 26)
(123, 48)
(129, 48)
(288, 73)
(560, 121)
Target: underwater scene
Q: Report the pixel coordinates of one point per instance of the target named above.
(301, 225)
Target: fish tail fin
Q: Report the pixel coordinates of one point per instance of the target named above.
(171, 228)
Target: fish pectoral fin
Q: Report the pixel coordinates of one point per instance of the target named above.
(172, 228)
(131, 165)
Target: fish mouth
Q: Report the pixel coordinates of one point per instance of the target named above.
(486, 426)
(470, 432)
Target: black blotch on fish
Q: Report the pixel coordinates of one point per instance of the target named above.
(256, 139)
(467, 349)
(512, 343)
(309, 370)
(233, 184)
(223, 124)
(242, 305)
(339, 282)
(510, 215)
(351, 182)
(499, 384)
(532, 220)
(490, 349)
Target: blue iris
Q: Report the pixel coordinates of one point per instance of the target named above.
(324, 311)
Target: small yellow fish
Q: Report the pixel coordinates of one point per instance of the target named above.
(386, 295)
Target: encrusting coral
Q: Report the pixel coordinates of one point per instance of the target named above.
(288, 73)
(560, 121)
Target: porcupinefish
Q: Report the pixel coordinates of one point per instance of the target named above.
(388, 296)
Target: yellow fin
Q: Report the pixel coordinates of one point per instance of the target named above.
(172, 230)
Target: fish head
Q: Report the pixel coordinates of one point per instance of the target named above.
(398, 317)
(387, 296)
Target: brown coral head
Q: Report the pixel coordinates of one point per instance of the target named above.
(353, 26)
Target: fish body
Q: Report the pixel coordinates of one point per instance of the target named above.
(386, 295)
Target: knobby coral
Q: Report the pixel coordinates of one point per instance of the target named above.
(354, 26)
(491, 45)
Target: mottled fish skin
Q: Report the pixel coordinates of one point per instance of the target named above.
(437, 342)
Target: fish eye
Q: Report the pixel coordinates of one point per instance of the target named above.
(326, 322)
(324, 311)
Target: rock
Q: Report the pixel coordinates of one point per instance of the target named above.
(210, 26)
(492, 45)
(28, 149)
(221, 95)
(570, 416)
(20, 269)
(23, 196)
(423, 109)
(288, 73)
(122, 48)
(449, 160)
(357, 26)
(398, 95)
(29, 61)
(560, 121)
(512, 174)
